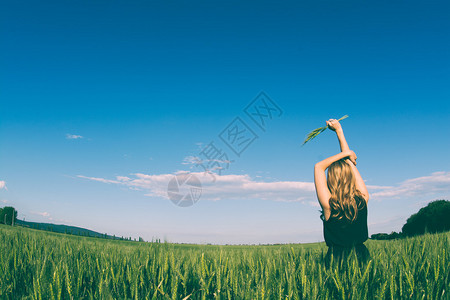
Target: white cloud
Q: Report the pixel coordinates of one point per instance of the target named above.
(42, 214)
(225, 187)
(377, 187)
(73, 136)
(313, 203)
(49, 217)
(3, 185)
(100, 179)
(244, 187)
(436, 183)
(4, 201)
(210, 165)
(237, 187)
(191, 160)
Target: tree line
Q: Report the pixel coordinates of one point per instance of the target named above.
(8, 216)
(432, 218)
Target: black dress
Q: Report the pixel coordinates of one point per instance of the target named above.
(341, 236)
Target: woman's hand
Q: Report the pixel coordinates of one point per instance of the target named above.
(334, 125)
(351, 156)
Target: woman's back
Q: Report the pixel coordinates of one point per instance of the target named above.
(343, 233)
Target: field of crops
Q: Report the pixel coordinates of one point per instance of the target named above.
(43, 265)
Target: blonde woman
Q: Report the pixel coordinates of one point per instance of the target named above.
(343, 196)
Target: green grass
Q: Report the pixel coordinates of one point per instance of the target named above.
(42, 265)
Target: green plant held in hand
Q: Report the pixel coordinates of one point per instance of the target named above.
(317, 131)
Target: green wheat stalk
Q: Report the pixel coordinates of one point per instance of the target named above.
(318, 131)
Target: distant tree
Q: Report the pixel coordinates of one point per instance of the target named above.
(379, 236)
(8, 215)
(395, 235)
(384, 236)
(432, 218)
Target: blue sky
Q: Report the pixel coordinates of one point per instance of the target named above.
(102, 103)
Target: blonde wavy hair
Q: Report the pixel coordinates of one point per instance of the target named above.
(346, 199)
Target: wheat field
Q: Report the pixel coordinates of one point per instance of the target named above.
(45, 265)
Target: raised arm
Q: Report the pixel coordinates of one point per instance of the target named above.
(360, 185)
(320, 179)
(334, 125)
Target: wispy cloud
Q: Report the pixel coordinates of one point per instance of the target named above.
(4, 201)
(225, 187)
(191, 160)
(377, 187)
(210, 165)
(3, 185)
(245, 187)
(48, 216)
(238, 187)
(101, 179)
(436, 183)
(42, 214)
(73, 136)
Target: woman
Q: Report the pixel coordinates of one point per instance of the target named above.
(343, 197)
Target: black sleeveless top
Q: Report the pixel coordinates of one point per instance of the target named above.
(342, 233)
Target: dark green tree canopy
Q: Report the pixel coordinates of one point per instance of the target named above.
(432, 218)
(7, 214)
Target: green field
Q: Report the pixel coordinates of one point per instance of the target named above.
(44, 265)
